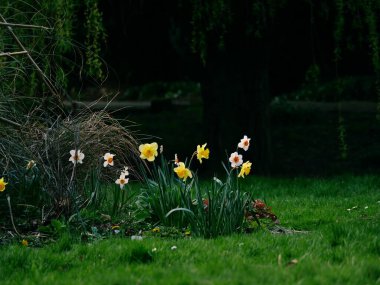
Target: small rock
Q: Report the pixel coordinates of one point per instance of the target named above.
(136, 237)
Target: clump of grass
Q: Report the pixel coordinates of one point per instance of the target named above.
(38, 133)
(173, 196)
(64, 187)
(219, 209)
(163, 192)
(140, 254)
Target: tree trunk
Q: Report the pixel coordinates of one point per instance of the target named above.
(235, 92)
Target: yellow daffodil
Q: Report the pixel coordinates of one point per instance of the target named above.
(24, 242)
(244, 143)
(236, 159)
(245, 169)
(202, 152)
(2, 184)
(182, 171)
(108, 159)
(122, 180)
(76, 156)
(156, 230)
(148, 151)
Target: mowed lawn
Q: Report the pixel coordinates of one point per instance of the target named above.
(336, 245)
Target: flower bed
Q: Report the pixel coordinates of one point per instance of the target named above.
(92, 192)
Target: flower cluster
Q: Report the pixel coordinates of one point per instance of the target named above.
(76, 156)
(149, 152)
(236, 159)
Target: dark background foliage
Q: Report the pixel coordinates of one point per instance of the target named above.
(246, 54)
(281, 72)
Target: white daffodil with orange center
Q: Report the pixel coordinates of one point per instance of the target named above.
(76, 156)
(122, 181)
(245, 169)
(176, 159)
(108, 159)
(2, 184)
(125, 171)
(236, 159)
(202, 152)
(244, 143)
(183, 172)
(148, 151)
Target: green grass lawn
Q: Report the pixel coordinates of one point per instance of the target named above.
(336, 246)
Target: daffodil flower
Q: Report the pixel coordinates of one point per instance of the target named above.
(122, 181)
(244, 143)
(148, 151)
(76, 156)
(202, 152)
(245, 169)
(24, 242)
(236, 159)
(108, 159)
(2, 184)
(125, 171)
(182, 171)
(176, 160)
(30, 164)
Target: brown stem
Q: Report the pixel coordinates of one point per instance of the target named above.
(24, 26)
(12, 53)
(10, 212)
